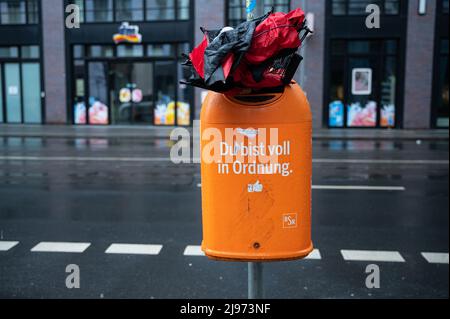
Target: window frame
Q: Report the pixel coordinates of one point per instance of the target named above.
(86, 58)
(144, 19)
(288, 3)
(26, 13)
(382, 56)
(381, 3)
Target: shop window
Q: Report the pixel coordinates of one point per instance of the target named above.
(31, 93)
(79, 93)
(132, 10)
(33, 11)
(30, 52)
(358, 7)
(129, 10)
(278, 5)
(165, 81)
(130, 51)
(9, 52)
(160, 10)
(363, 83)
(13, 12)
(98, 111)
(97, 51)
(236, 10)
(78, 51)
(99, 10)
(183, 9)
(160, 50)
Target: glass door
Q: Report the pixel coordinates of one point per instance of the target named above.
(131, 92)
(12, 92)
(98, 110)
(31, 74)
(363, 84)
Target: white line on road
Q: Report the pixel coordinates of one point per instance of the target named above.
(314, 255)
(436, 258)
(84, 159)
(372, 255)
(376, 161)
(7, 245)
(134, 249)
(354, 188)
(60, 247)
(193, 251)
(166, 159)
(359, 188)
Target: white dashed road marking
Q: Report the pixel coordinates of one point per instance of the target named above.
(314, 255)
(193, 251)
(359, 188)
(372, 255)
(60, 247)
(436, 258)
(7, 245)
(134, 249)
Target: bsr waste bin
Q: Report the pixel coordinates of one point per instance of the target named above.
(256, 176)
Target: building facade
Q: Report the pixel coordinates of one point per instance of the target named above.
(121, 64)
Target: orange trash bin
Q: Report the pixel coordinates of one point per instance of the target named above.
(256, 168)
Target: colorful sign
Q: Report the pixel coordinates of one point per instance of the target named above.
(125, 95)
(358, 116)
(127, 34)
(362, 81)
(336, 114)
(165, 113)
(80, 113)
(388, 115)
(98, 113)
(137, 96)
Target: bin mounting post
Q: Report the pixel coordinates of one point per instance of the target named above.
(255, 280)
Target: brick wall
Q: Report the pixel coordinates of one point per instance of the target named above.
(419, 66)
(54, 61)
(314, 56)
(211, 15)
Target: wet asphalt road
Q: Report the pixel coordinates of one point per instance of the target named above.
(106, 197)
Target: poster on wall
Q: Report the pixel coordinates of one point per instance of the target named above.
(388, 116)
(125, 95)
(336, 114)
(98, 113)
(362, 116)
(165, 113)
(362, 81)
(80, 113)
(137, 96)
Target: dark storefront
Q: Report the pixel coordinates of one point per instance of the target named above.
(130, 83)
(21, 98)
(440, 109)
(365, 67)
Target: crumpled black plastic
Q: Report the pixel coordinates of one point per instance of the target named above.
(237, 41)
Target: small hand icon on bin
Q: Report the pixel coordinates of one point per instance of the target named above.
(255, 188)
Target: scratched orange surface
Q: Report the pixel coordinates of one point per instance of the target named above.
(253, 210)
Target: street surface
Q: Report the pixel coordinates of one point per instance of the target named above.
(70, 200)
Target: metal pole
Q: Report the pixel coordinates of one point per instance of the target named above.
(255, 280)
(255, 9)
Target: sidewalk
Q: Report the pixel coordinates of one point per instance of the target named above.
(153, 132)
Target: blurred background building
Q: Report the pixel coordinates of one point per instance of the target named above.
(109, 72)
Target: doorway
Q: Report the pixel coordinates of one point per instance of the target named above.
(363, 84)
(20, 93)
